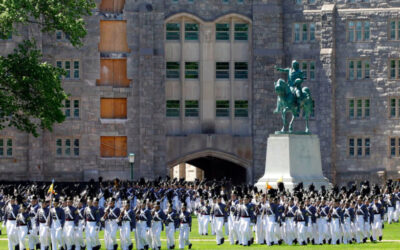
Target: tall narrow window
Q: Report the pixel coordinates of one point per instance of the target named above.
(393, 147)
(394, 30)
(222, 70)
(68, 69)
(191, 108)
(173, 31)
(241, 108)
(222, 108)
(351, 146)
(173, 70)
(191, 31)
(394, 69)
(191, 70)
(296, 32)
(173, 108)
(241, 31)
(241, 70)
(222, 31)
(6, 147)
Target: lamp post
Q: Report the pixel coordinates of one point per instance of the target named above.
(131, 161)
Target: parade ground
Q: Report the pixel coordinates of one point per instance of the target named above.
(391, 240)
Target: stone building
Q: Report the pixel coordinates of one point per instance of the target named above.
(191, 81)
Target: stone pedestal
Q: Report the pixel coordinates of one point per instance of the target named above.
(293, 159)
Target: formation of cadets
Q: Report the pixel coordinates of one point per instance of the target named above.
(242, 214)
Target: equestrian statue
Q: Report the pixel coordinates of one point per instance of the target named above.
(292, 97)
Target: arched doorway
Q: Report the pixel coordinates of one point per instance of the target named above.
(216, 168)
(211, 164)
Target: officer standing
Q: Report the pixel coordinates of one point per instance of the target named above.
(69, 227)
(170, 222)
(42, 220)
(92, 217)
(33, 239)
(158, 217)
(184, 229)
(127, 222)
(23, 226)
(219, 214)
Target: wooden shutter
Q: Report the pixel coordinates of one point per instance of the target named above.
(120, 146)
(107, 146)
(106, 72)
(107, 108)
(113, 36)
(120, 77)
(112, 6)
(120, 108)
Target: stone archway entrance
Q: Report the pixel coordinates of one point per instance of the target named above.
(210, 165)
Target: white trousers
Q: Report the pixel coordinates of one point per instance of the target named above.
(56, 234)
(205, 220)
(269, 229)
(233, 225)
(125, 235)
(44, 236)
(200, 223)
(156, 228)
(245, 231)
(110, 234)
(69, 234)
(322, 230)
(184, 230)
(290, 230)
(22, 233)
(301, 231)
(347, 230)
(170, 233)
(376, 227)
(141, 234)
(359, 224)
(335, 231)
(12, 233)
(91, 235)
(259, 228)
(390, 214)
(79, 240)
(33, 237)
(218, 226)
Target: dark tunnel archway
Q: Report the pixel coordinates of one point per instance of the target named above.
(216, 168)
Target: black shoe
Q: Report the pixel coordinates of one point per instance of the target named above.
(146, 247)
(173, 247)
(0, 231)
(16, 247)
(380, 238)
(248, 243)
(206, 234)
(279, 242)
(295, 241)
(37, 246)
(46, 248)
(371, 239)
(72, 247)
(190, 245)
(304, 243)
(222, 241)
(130, 247)
(159, 248)
(313, 242)
(324, 241)
(338, 242)
(252, 240)
(329, 241)
(364, 240)
(236, 242)
(265, 242)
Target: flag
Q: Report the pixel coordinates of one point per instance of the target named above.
(279, 180)
(267, 185)
(51, 188)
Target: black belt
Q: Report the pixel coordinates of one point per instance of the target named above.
(219, 216)
(245, 216)
(69, 220)
(91, 220)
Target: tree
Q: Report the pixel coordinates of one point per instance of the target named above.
(31, 95)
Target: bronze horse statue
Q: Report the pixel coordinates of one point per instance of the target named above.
(289, 102)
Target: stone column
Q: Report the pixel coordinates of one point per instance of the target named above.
(267, 43)
(182, 170)
(328, 75)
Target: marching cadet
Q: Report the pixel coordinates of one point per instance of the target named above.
(361, 213)
(233, 220)
(205, 211)
(219, 213)
(127, 222)
(23, 226)
(396, 195)
(170, 221)
(212, 218)
(301, 219)
(185, 219)
(79, 225)
(246, 218)
(158, 216)
(269, 214)
(10, 216)
(348, 218)
(33, 239)
(259, 213)
(197, 209)
(42, 221)
(323, 211)
(143, 225)
(110, 217)
(290, 230)
(391, 203)
(376, 213)
(312, 230)
(367, 226)
(69, 227)
(92, 217)
(280, 221)
(336, 216)
(57, 220)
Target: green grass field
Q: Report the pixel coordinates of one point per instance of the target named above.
(391, 240)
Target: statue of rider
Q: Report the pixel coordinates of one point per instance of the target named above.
(295, 79)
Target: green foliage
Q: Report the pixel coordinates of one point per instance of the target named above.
(29, 89)
(31, 95)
